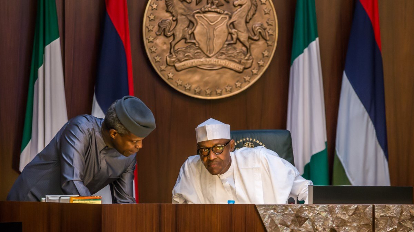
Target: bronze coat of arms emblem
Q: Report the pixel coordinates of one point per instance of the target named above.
(210, 49)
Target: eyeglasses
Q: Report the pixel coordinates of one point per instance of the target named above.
(217, 149)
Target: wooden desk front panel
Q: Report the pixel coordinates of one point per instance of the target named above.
(51, 217)
(170, 218)
(45, 217)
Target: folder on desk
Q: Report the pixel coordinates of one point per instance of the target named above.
(59, 198)
(74, 199)
(360, 195)
(86, 200)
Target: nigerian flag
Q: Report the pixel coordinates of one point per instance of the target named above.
(306, 107)
(46, 104)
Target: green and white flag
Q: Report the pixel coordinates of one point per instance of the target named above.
(306, 107)
(46, 104)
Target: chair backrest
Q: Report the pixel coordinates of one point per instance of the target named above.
(278, 141)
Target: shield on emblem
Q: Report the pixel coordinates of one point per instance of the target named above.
(211, 32)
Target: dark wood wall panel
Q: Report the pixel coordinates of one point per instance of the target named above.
(334, 24)
(397, 30)
(262, 106)
(17, 20)
(82, 30)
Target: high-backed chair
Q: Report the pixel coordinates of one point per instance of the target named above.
(278, 141)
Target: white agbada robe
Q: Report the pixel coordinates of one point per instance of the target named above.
(256, 176)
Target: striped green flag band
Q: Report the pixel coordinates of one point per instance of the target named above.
(46, 104)
(306, 107)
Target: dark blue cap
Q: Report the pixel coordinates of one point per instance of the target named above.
(135, 116)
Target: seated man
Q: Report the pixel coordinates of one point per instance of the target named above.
(247, 176)
(89, 153)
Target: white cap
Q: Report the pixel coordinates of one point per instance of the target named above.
(212, 129)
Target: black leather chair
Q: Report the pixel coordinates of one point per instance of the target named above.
(278, 141)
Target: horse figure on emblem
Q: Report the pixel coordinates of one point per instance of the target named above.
(183, 16)
(238, 25)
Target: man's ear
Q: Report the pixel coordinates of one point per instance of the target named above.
(232, 145)
(113, 133)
